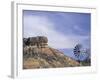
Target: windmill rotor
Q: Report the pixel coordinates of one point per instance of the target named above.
(77, 50)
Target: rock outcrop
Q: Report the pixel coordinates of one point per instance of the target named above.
(37, 54)
(39, 41)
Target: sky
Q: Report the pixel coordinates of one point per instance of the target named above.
(63, 29)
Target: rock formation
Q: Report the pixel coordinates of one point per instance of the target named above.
(39, 41)
(37, 54)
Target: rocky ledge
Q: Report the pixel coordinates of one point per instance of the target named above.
(38, 54)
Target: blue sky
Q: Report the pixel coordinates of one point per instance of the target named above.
(63, 29)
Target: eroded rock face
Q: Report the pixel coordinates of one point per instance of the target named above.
(37, 54)
(39, 41)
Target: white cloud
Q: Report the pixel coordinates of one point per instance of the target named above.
(42, 26)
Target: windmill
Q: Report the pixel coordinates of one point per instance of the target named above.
(77, 51)
(81, 53)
